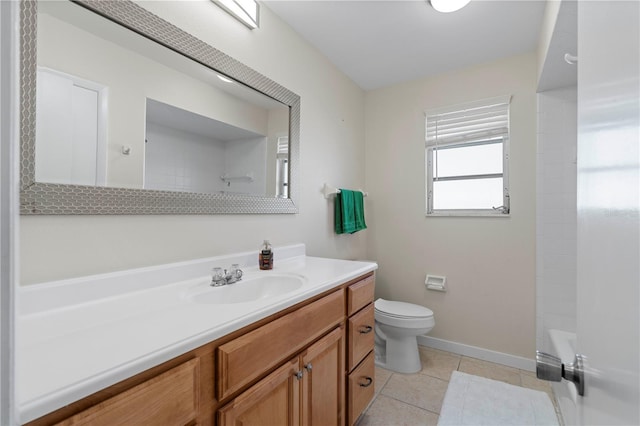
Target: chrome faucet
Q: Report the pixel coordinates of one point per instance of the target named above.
(222, 277)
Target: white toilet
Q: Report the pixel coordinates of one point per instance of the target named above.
(397, 324)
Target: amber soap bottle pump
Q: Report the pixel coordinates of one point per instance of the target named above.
(265, 258)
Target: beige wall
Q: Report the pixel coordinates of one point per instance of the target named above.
(332, 147)
(489, 262)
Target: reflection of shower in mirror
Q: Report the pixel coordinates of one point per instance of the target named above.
(193, 153)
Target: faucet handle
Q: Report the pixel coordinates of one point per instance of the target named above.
(236, 272)
(217, 276)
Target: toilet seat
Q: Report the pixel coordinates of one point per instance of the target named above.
(402, 309)
(403, 315)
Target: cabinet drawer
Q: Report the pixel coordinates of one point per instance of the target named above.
(359, 295)
(361, 336)
(246, 358)
(361, 387)
(169, 399)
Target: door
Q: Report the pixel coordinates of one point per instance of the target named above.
(68, 139)
(274, 400)
(323, 382)
(608, 210)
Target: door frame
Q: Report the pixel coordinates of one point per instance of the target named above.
(9, 201)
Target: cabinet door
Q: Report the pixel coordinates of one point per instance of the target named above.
(275, 400)
(323, 383)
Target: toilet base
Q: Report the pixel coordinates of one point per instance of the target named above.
(400, 355)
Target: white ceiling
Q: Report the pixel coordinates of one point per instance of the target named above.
(381, 43)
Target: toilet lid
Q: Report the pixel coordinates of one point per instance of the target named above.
(402, 309)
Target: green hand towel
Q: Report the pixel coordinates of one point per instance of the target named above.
(358, 208)
(349, 212)
(337, 213)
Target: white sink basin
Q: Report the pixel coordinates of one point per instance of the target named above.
(249, 289)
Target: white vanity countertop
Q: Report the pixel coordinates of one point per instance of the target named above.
(78, 336)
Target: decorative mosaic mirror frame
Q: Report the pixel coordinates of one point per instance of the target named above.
(38, 198)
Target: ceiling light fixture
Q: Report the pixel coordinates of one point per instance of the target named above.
(447, 6)
(245, 11)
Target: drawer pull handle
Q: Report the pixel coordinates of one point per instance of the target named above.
(308, 367)
(298, 375)
(369, 381)
(365, 329)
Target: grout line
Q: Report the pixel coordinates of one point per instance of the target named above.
(410, 404)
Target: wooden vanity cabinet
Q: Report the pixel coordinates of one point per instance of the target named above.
(314, 334)
(169, 398)
(307, 390)
(310, 364)
(360, 357)
(242, 360)
(177, 392)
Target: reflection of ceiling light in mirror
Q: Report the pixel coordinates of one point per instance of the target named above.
(246, 11)
(448, 5)
(225, 79)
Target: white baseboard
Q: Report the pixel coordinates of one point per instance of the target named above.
(480, 353)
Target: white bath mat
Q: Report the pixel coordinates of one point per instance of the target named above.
(473, 400)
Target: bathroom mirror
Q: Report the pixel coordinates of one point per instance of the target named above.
(166, 124)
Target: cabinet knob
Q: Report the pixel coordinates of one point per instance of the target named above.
(298, 375)
(365, 329)
(368, 382)
(308, 367)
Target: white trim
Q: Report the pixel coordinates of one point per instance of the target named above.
(480, 353)
(467, 213)
(78, 81)
(9, 202)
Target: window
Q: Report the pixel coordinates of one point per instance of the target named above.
(282, 167)
(467, 154)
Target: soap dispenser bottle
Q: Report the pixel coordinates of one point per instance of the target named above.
(265, 258)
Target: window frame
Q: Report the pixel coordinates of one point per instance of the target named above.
(282, 167)
(497, 211)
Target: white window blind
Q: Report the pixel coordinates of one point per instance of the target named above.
(478, 121)
(283, 146)
(467, 158)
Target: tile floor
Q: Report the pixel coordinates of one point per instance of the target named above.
(415, 399)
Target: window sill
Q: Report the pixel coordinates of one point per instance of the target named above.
(467, 213)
